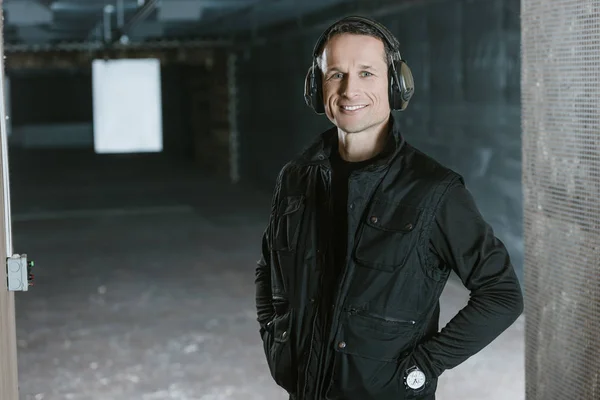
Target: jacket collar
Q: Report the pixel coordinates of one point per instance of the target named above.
(320, 151)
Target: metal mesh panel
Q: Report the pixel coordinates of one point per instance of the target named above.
(561, 184)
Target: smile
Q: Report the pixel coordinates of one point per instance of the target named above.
(353, 108)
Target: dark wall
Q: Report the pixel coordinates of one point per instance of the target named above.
(61, 96)
(465, 113)
(177, 110)
(46, 97)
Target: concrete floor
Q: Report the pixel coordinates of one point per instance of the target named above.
(145, 284)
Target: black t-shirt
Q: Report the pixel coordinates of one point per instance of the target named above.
(338, 231)
(341, 170)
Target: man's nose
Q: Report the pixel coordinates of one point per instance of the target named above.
(349, 86)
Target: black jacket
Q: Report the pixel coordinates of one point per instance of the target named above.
(411, 221)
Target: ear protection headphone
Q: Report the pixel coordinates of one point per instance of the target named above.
(401, 83)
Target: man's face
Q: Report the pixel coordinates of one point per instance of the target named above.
(355, 82)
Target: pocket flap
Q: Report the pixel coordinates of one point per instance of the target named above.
(393, 217)
(282, 326)
(372, 337)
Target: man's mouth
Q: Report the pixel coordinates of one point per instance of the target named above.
(353, 108)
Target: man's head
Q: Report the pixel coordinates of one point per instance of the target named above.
(353, 60)
(357, 27)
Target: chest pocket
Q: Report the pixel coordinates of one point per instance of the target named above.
(288, 223)
(389, 233)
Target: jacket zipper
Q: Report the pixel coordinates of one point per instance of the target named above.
(356, 311)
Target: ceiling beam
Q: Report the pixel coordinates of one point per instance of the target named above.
(321, 19)
(27, 13)
(180, 10)
(99, 46)
(80, 6)
(207, 24)
(82, 60)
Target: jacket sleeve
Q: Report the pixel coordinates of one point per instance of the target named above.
(463, 241)
(263, 296)
(264, 305)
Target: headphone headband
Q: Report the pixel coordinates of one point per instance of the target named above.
(387, 35)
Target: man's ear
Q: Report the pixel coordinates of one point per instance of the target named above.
(319, 62)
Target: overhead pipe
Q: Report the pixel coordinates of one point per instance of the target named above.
(78, 6)
(120, 13)
(108, 10)
(123, 27)
(140, 15)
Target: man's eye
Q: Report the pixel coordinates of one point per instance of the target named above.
(366, 73)
(339, 75)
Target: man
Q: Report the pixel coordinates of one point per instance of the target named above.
(363, 234)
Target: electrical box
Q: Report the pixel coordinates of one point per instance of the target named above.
(19, 274)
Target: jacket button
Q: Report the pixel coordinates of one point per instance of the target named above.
(374, 219)
(284, 335)
(408, 226)
(342, 345)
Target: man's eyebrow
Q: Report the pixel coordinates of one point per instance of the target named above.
(361, 66)
(334, 68)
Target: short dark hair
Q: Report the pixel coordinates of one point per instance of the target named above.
(358, 28)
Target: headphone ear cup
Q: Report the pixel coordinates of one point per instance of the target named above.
(313, 91)
(401, 86)
(308, 88)
(405, 85)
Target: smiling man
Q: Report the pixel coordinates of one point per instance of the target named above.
(363, 234)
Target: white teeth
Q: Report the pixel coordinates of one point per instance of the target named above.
(352, 108)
